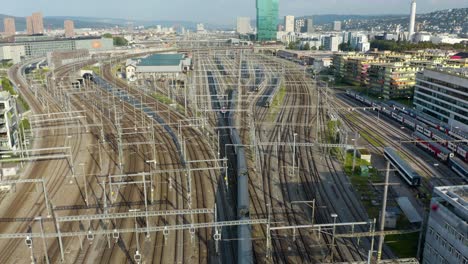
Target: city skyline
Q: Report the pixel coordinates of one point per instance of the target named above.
(221, 12)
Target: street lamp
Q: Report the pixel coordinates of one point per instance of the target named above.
(334, 216)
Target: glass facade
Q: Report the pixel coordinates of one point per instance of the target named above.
(267, 19)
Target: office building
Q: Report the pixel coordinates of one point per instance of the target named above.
(289, 24)
(13, 53)
(309, 26)
(412, 22)
(37, 23)
(243, 25)
(8, 122)
(69, 28)
(267, 19)
(9, 26)
(299, 25)
(29, 26)
(201, 28)
(337, 26)
(447, 229)
(39, 46)
(443, 94)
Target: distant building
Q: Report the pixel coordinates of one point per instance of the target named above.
(200, 28)
(9, 26)
(337, 26)
(69, 28)
(331, 43)
(299, 25)
(267, 19)
(447, 229)
(309, 26)
(289, 24)
(29, 25)
(243, 25)
(37, 23)
(443, 94)
(39, 46)
(9, 123)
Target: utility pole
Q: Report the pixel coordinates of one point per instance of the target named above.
(356, 135)
(382, 214)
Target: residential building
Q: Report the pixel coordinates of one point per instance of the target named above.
(243, 25)
(267, 19)
(289, 24)
(9, 139)
(29, 25)
(69, 28)
(9, 26)
(443, 94)
(392, 80)
(447, 229)
(331, 43)
(200, 28)
(337, 26)
(299, 25)
(37, 23)
(356, 70)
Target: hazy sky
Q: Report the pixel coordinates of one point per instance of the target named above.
(220, 11)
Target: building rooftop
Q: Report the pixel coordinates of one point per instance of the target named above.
(457, 196)
(162, 60)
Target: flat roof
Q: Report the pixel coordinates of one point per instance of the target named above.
(457, 196)
(409, 210)
(161, 60)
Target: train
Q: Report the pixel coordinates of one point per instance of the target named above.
(403, 169)
(232, 137)
(270, 92)
(420, 122)
(429, 133)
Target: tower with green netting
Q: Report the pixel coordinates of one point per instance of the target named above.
(267, 19)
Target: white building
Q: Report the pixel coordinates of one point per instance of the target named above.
(447, 229)
(331, 43)
(13, 53)
(421, 37)
(156, 66)
(289, 23)
(337, 26)
(442, 94)
(200, 28)
(243, 25)
(286, 37)
(9, 139)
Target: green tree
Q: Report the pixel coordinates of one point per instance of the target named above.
(307, 46)
(107, 35)
(321, 48)
(120, 41)
(313, 48)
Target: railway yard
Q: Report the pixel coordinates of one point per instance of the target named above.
(243, 160)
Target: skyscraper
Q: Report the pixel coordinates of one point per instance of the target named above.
(289, 23)
(69, 29)
(267, 19)
(300, 25)
(243, 25)
(309, 25)
(9, 26)
(37, 23)
(29, 25)
(412, 20)
(337, 26)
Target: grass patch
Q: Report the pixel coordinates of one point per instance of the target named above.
(277, 101)
(372, 139)
(404, 246)
(162, 98)
(95, 69)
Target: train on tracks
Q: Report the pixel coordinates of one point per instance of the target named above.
(270, 92)
(402, 168)
(430, 134)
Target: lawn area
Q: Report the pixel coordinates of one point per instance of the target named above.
(405, 246)
(166, 100)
